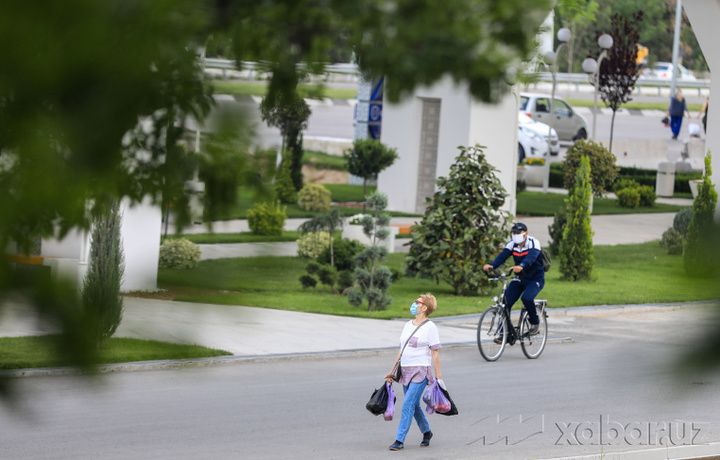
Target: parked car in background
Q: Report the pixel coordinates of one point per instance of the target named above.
(569, 124)
(533, 139)
(664, 71)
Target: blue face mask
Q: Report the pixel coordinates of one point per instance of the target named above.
(414, 308)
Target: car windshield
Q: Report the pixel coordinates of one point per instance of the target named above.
(523, 102)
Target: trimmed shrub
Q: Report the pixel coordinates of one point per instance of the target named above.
(622, 184)
(312, 244)
(345, 279)
(314, 197)
(308, 281)
(603, 170)
(647, 196)
(345, 251)
(266, 220)
(628, 198)
(672, 240)
(682, 220)
(179, 253)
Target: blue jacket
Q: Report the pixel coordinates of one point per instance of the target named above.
(677, 108)
(526, 255)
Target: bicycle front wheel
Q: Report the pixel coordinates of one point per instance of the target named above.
(533, 345)
(491, 337)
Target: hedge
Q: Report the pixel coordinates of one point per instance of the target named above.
(641, 176)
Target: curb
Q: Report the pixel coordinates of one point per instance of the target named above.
(593, 311)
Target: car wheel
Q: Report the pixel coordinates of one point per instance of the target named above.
(582, 134)
(521, 153)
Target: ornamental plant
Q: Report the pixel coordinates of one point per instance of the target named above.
(314, 197)
(603, 169)
(101, 299)
(576, 249)
(179, 253)
(463, 227)
(372, 280)
(312, 244)
(701, 242)
(266, 220)
(284, 188)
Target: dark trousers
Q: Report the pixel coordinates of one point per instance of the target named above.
(528, 289)
(675, 125)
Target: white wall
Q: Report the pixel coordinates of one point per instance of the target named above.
(463, 122)
(140, 234)
(704, 16)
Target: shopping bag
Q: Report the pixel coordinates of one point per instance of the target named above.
(435, 400)
(453, 408)
(666, 121)
(390, 411)
(694, 130)
(378, 401)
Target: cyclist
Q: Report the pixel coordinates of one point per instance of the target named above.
(528, 268)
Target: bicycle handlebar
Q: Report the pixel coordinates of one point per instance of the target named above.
(493, 275)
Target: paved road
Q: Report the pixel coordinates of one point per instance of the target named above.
(616, 368)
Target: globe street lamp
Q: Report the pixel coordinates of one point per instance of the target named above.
(592, 67)
(564, 35)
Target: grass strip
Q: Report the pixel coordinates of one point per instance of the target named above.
(245, 88)
(623, 274)
(242, 237)
(547, 204)
(38, 351)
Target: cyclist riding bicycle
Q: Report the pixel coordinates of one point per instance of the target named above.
(528, 268)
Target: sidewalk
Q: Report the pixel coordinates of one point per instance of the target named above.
(608, 230)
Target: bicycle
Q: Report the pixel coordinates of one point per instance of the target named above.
(495, 322)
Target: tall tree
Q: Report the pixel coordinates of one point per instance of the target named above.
(575, 15)
(619, 71)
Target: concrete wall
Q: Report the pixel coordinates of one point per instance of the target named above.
(462, 122)
(140, 236)
(704, 16)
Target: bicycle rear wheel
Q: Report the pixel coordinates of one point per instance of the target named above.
(533, 345)
(491, 327)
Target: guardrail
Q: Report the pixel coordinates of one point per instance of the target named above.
(568, 78)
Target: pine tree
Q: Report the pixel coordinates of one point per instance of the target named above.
(576, 248)
(101, 299)
(702, 232)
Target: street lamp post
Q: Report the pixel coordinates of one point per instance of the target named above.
(564, 35)
(592, 67)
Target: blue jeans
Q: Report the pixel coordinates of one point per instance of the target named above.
(675, 125)
(411, 409)
(529, 290)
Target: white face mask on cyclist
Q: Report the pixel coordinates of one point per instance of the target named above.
(518, 237)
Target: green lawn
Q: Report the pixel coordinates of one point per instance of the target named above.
(627, 274)
(663, 106)
(242, 237)
(246, 88)
(37, 352)
(547, 204)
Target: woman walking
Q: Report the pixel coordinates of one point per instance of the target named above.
(677, 109)
(422, 351)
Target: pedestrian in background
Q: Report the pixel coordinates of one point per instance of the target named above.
(677, 109)
(422, 351)
(703, 113)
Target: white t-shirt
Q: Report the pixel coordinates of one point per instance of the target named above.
(417, 351)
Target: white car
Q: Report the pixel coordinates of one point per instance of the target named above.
(664, 71)
(533, 139)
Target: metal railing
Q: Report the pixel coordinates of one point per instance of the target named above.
(567, 78)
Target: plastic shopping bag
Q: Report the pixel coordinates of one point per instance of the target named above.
(378, 401)
(694, 130)
(435, 399)
(390, 411)
(453, 408)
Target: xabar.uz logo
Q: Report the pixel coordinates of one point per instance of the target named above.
(611, 433)
(508, 431)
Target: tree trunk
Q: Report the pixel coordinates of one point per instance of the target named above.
(364, 193)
